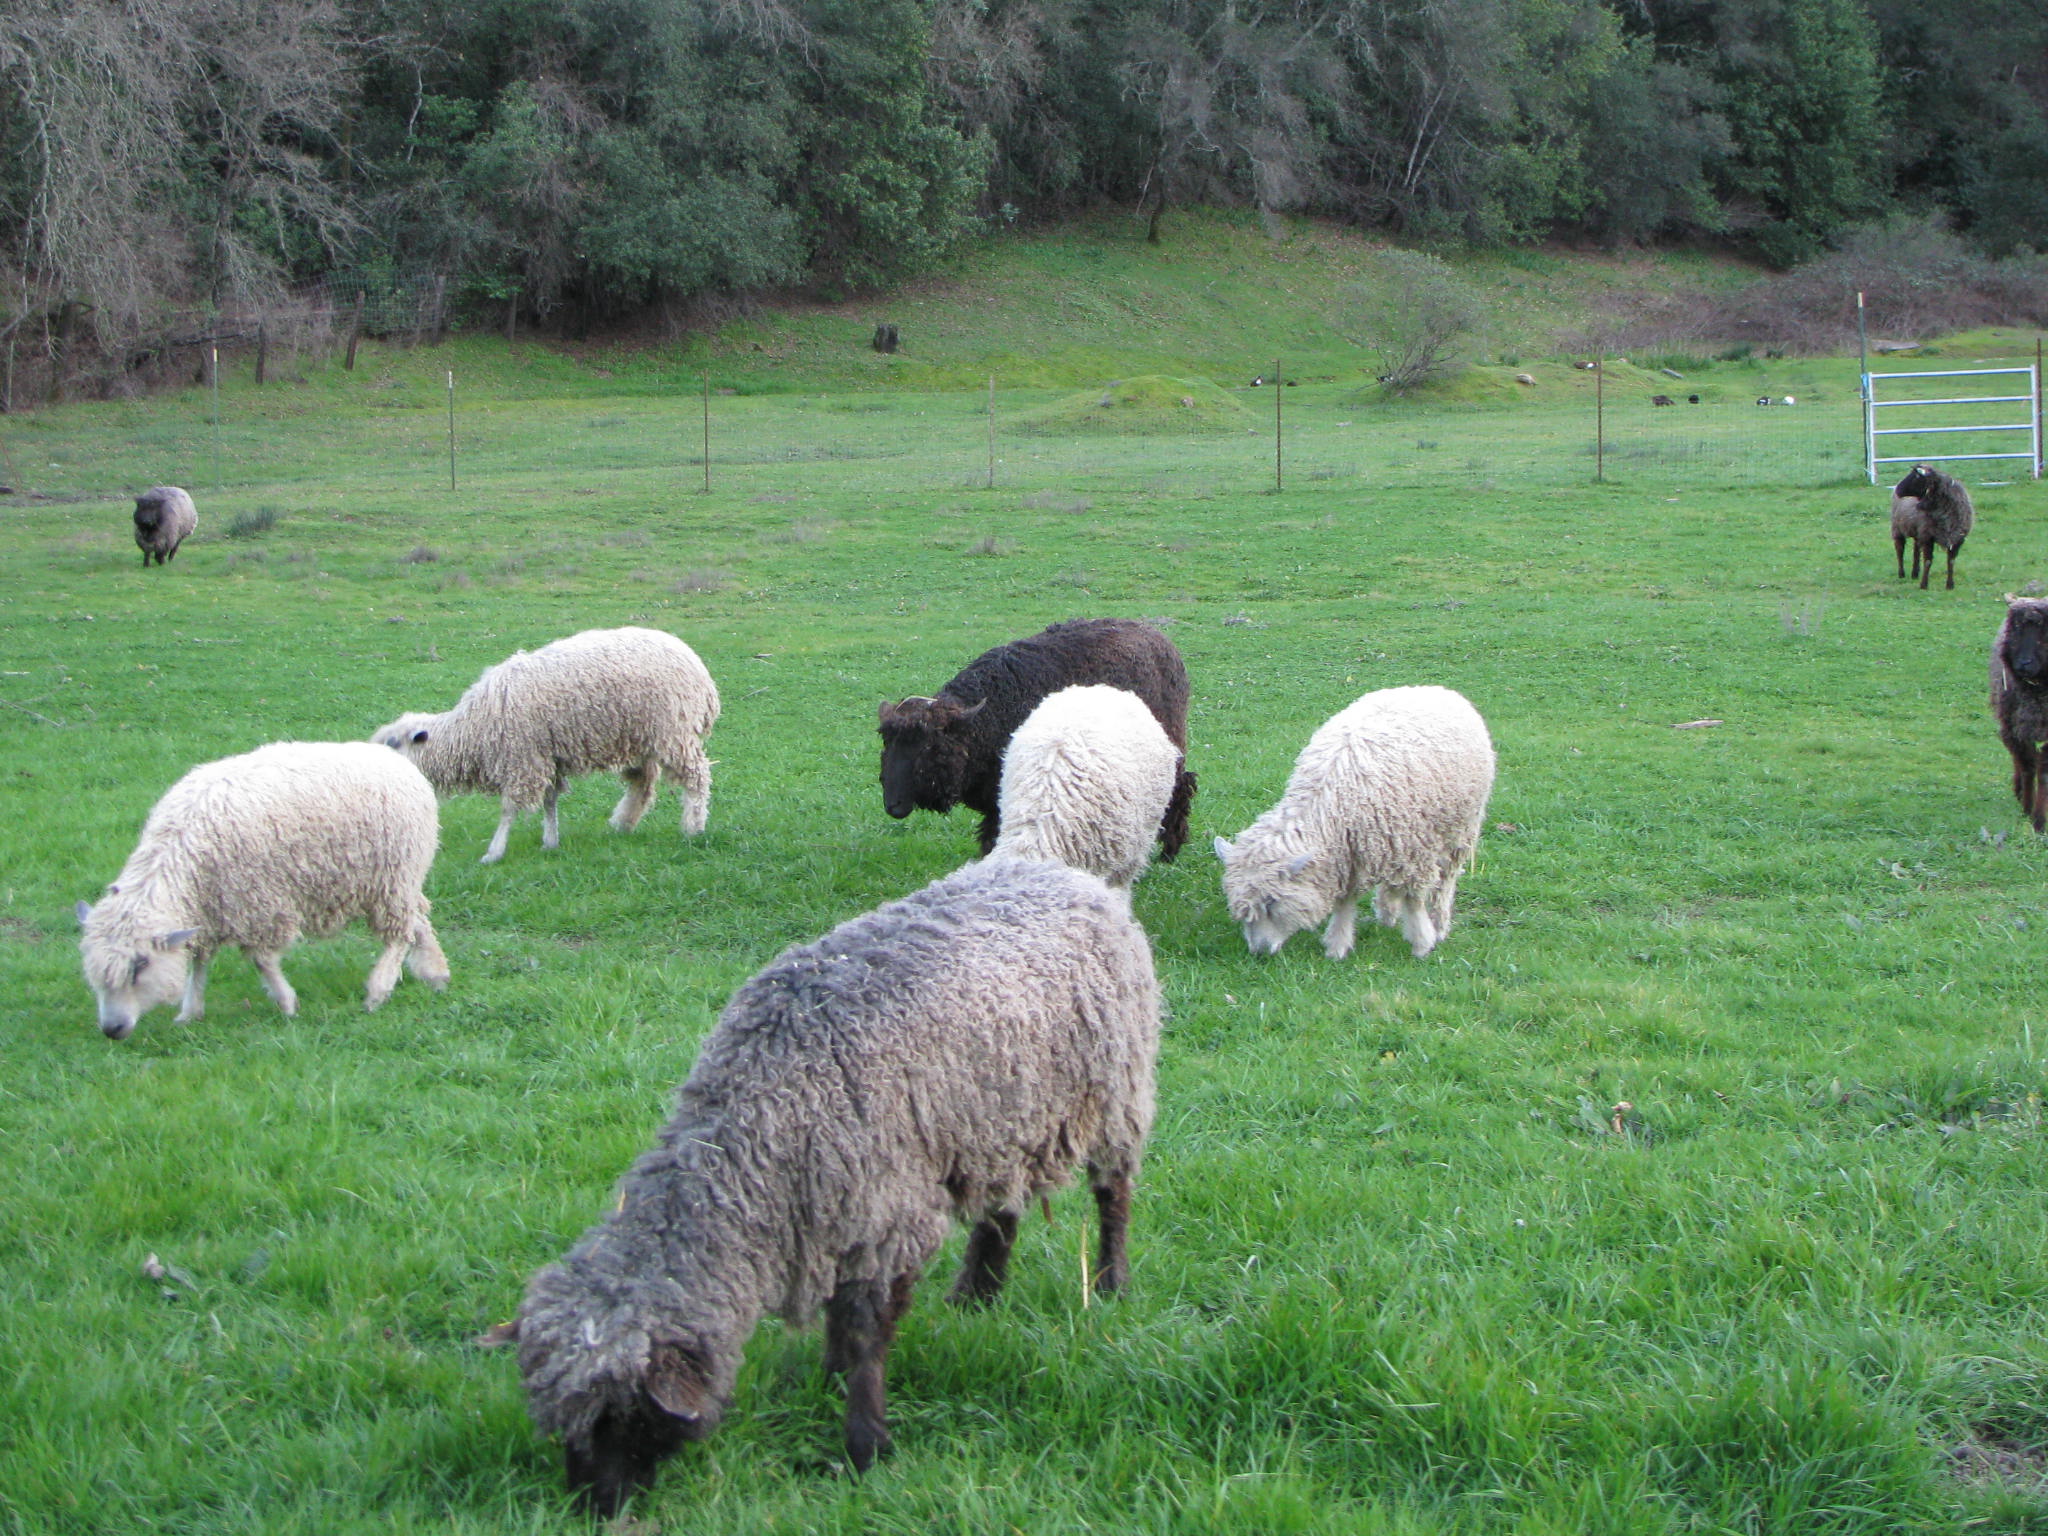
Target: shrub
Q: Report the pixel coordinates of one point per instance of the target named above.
(248, 524)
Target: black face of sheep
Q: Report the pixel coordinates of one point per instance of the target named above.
(1919, 480)
(924, 758)
(2026, 644)
(638, 1424)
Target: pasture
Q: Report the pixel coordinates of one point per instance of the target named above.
(1402, 1263)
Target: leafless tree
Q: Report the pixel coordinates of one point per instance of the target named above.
(154, 137)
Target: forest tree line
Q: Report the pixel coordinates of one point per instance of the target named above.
(573, 160)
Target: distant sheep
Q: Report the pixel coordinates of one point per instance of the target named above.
(296, 837)
(1662, 400)
(1086, 780)
(949, 1055)
(635, 700)
(2019, 700)
(1944, 517)
(164, 519)
(1388, 797)
(947, 750)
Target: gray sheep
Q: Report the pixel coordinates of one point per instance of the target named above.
(948, 1055)
(1930, 508)
(164, 519)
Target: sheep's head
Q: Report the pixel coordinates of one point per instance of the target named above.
(622, 1406)
(149, 511)
(1263, 886)
(1918, 482)
(924, 754)
(2026, 641)
(129, 972)
(407, 734)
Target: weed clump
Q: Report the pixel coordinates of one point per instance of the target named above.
(248, 524)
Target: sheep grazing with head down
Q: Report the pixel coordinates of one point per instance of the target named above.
(635, 700)
(2019, 700)
(296, 837)
(164, 519)
(943, 751)
(1388, 796)
(951, 1054)
(1930, 508)
(1086, 780)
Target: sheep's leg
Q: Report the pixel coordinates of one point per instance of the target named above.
(1342, 930)
(991, 829)
(193, 1005)
(550, 825)
(1113, 1210)
(1923, 556)
(1899, 549)
(641, 781)
(1173, 825)
(1409, 911)
(692, 773)
(424, 959)
(497, 849)
(1441, 902)
(987, 1260)
(274, 983)
(2027, 787)
(384, 974)
(860, 1325)
(1951, 567)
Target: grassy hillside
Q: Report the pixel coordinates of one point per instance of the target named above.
(1696, 1183)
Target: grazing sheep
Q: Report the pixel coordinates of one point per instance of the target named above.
(164, 519)
(1086, 780)
(1388, 796)
(949, 1055)
(635, 700)
(1945, 517)
(296, 837)
(2019, 700)
(946, 751)
(1662, 400)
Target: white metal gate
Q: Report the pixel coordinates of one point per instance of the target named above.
(1873, 404)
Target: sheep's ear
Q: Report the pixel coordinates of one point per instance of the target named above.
(498, 1335)
(676, 1385)
(1223, 849)
(177, 938)
(419, 736)
(84, 911)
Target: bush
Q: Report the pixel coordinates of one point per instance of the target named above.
(247, 524)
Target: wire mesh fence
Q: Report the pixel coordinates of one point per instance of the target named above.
(1203, 442)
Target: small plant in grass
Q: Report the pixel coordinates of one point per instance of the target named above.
(989, 544)
(699, 581)
(1056, 501)
(251, 521)
(420, 554)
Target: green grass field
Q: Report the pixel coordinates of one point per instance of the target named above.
(1399, 1264)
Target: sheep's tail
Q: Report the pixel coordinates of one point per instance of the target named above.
(1173, 826)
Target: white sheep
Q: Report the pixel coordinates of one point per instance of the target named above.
(635, 700)
(1086, 779)
(296, 837)
(1388, 796)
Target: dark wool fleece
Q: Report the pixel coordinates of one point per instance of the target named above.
(1011, 680)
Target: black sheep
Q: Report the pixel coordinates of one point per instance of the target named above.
(2019, 700)
(1946, 518)
(946, 751)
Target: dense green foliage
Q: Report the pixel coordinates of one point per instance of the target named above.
(574, 160)
(1402, 1263)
